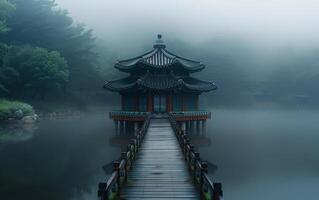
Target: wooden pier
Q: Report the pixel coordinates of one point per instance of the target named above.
(160, 163)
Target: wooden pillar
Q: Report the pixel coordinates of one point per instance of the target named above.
(132, 132)
(188, 126)
(128, 125)
(150, 103)
(198, 131)
(125, 127)
(122, 129)
(135, 128)
(183, 126)
(140, 125)
(116, 124)
(183, 102)
(169, 103)
(192, 123)
(136, 102)
(203, 127)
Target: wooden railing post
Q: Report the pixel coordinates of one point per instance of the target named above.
(218, 192)
(102, 191)
(186, 147)
(180, 134)
(203, 170)
(124, 157)
(208, 189)
(132, 149)
(197, 159)
(183, 143)
(112, 188)
(191, 150)
(135, 146)
(116, 165)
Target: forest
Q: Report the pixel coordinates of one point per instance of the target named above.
(45, 56)
(48, 59)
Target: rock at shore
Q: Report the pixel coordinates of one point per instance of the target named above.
(18, 114)
(30, 119)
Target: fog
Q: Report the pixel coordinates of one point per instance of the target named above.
(265, 48)
(265, 154)
(269, 23)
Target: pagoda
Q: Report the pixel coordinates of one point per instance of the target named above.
(159, 81)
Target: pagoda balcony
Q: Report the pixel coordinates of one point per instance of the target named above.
(191, 115)
(129, 115)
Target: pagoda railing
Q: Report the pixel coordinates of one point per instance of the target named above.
(191, 115)
(111, 189)
(129, 115)
(199, 169)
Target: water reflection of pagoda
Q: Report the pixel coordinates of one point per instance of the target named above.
(159, 82)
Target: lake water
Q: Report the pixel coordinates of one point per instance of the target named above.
(259, 155)
(63, 159)
(265, 154)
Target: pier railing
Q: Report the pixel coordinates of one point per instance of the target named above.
(129, 115)
(209, 190)
(191, 115)
(111, 189)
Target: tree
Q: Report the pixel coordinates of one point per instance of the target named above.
(39, 71)
(6, 8)
(40, 23)
(6, 72)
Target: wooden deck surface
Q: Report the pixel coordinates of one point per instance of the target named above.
(160, 171)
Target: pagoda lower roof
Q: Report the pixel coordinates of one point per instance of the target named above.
(159, 58)
(163, 82)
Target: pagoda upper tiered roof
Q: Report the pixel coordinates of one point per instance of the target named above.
(159, 58)
(159, 70)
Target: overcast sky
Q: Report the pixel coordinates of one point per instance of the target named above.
(262, 21)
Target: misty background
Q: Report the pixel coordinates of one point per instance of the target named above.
(257, 52)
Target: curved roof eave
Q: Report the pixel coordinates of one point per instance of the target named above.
(192, 69)
(120, 84)
(159, 58)
(199, 85)
(134, 66)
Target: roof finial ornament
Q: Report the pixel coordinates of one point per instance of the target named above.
(159, 42)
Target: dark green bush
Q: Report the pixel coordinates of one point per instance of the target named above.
(9, 109)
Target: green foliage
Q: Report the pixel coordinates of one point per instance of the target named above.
(38, 71)
(42, 24)
(6, 8)
(6, 73)
(8, 109)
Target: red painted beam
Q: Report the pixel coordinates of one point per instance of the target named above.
(150, 103)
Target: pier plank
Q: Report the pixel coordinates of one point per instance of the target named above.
(160, 171)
